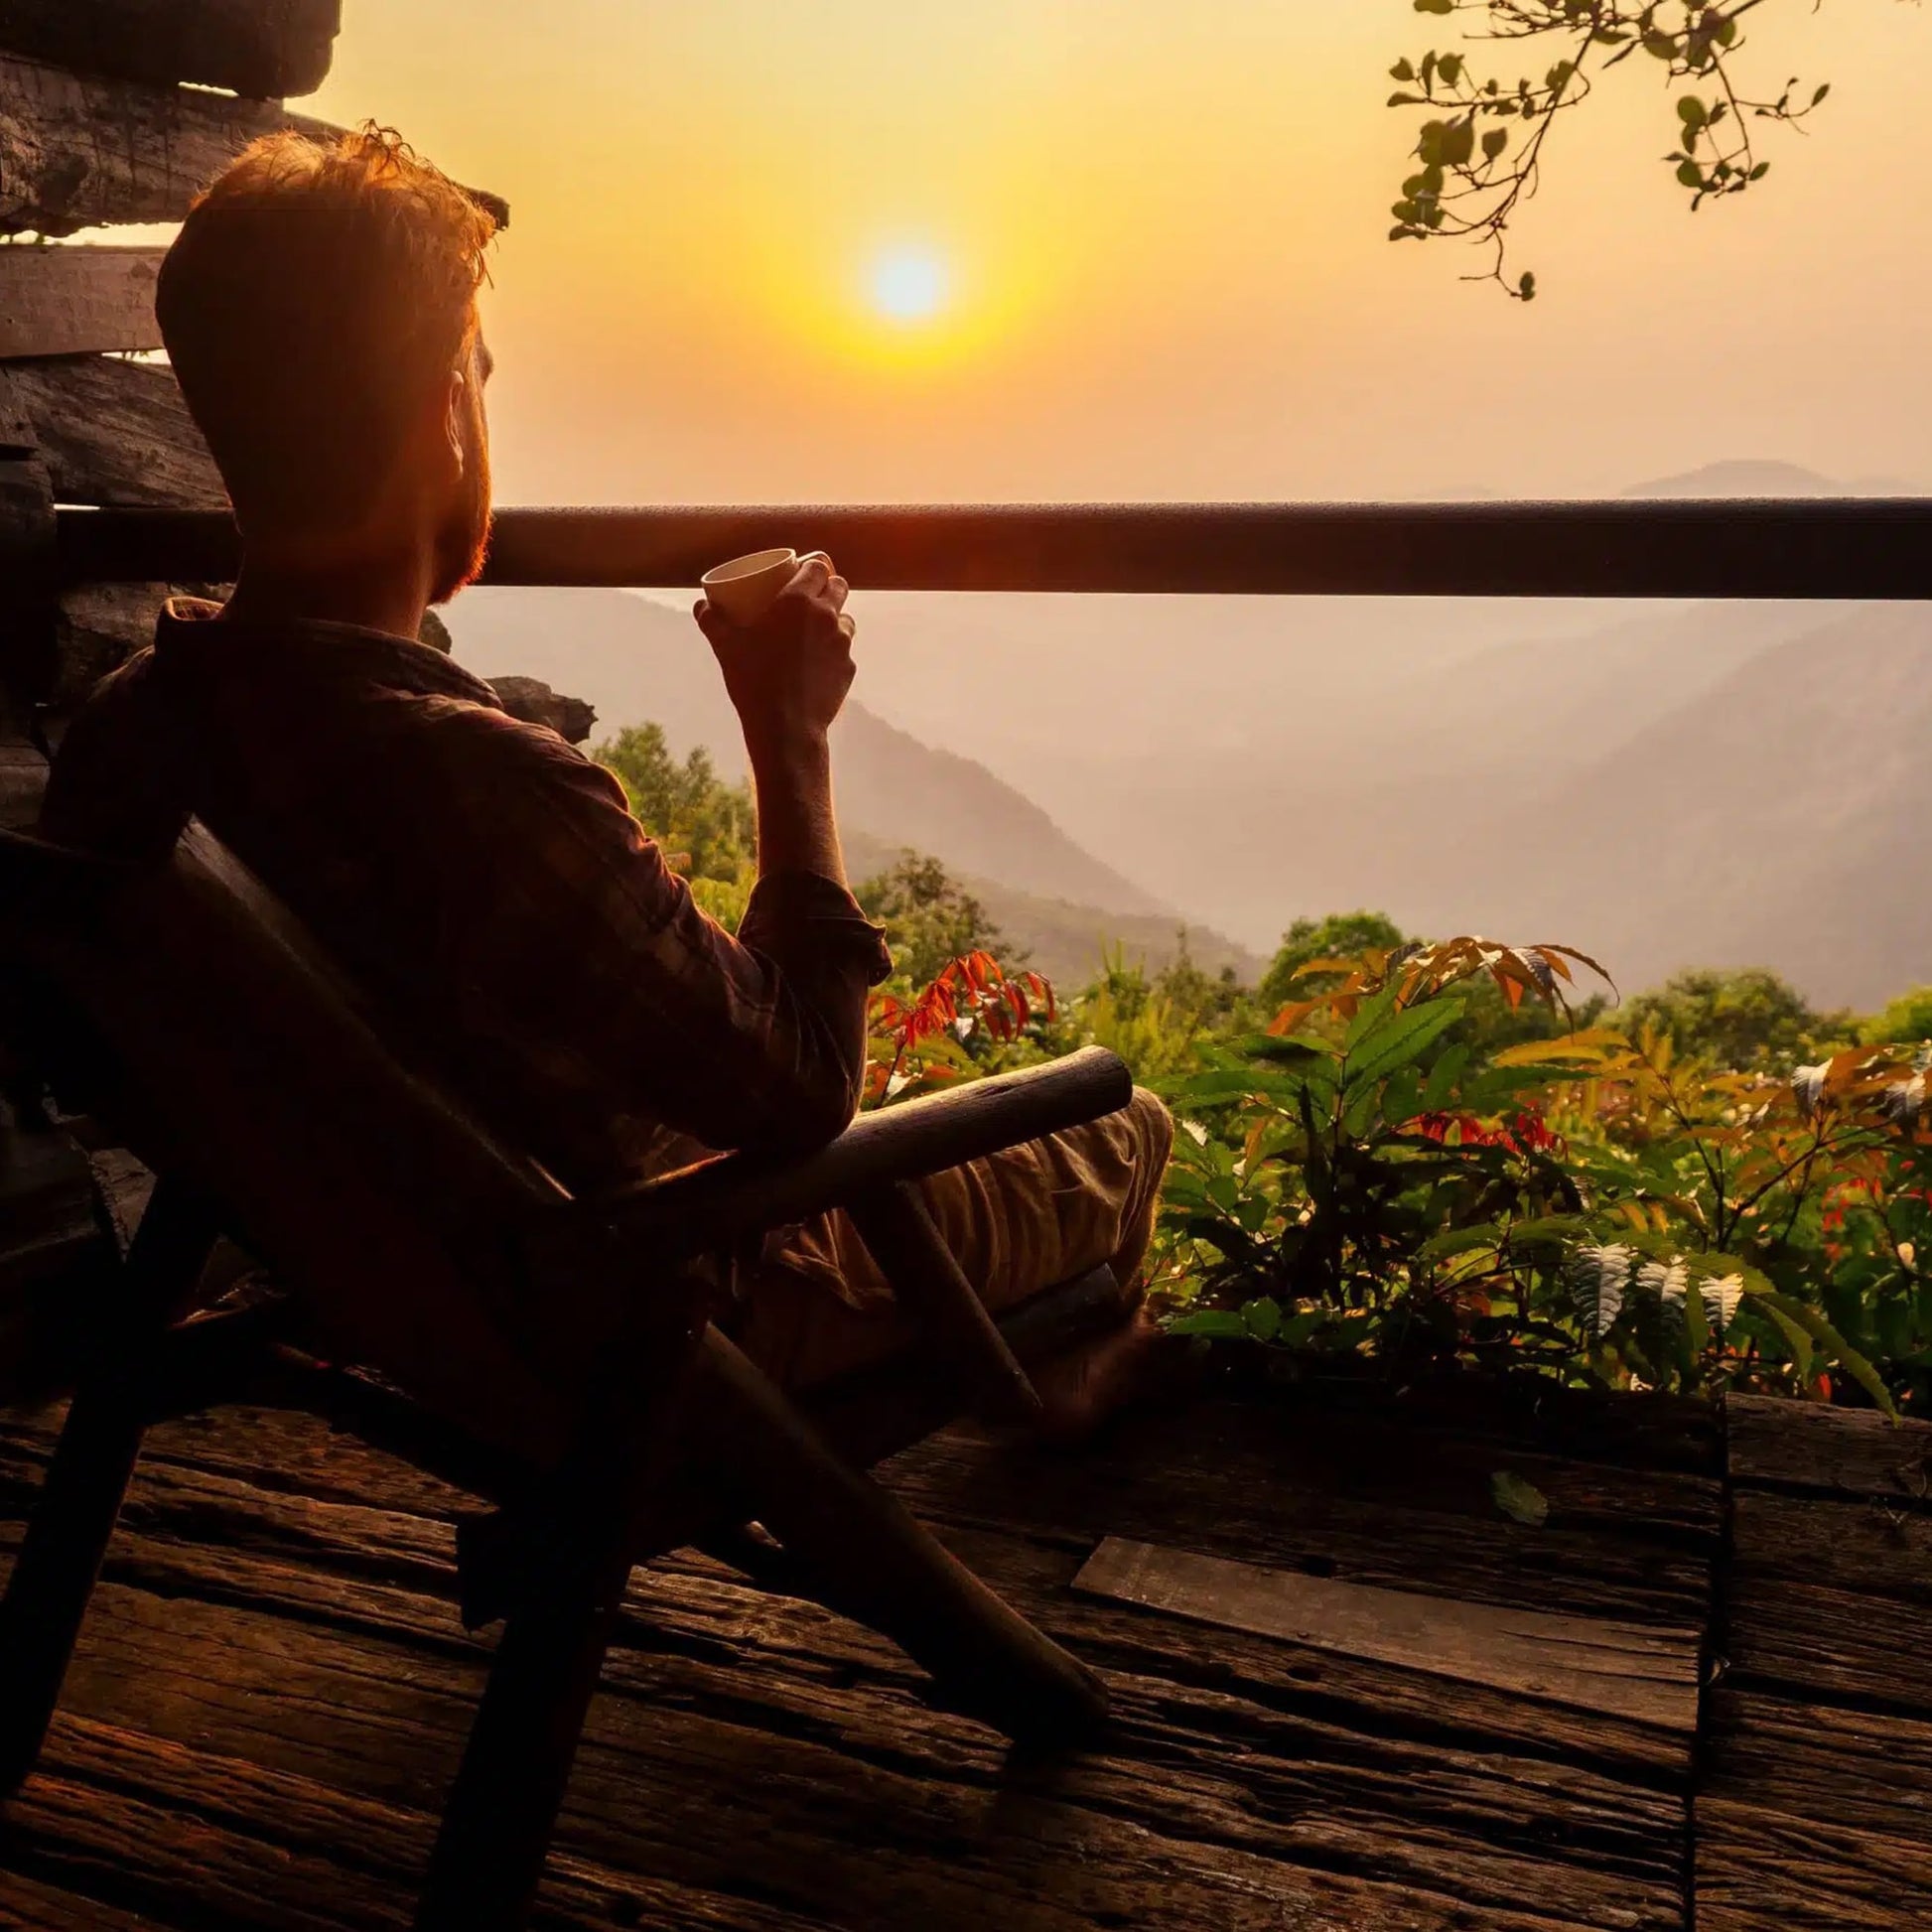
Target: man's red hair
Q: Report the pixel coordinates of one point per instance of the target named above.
(314, 305)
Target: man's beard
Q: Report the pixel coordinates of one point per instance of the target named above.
(464, 540)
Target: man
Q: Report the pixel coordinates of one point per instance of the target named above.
(484, 882)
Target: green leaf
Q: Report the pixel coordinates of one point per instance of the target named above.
(1370, 1014)
(1842, 1352)
(1435, 6)
(1218, 1325)
(1443, 1076)
(1691, 111)
(1400, 1040)
(1263, 1318)
(1520, 1499)
(1690, 173)
(1801, 1344)
(1459, 1241)
(1496, 141)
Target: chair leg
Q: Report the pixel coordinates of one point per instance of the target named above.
(495, 1832)
(66, 1536)
(875, 1559)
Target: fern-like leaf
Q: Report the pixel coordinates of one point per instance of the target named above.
(1599, 1278)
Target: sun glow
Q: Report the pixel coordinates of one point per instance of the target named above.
(910, 285)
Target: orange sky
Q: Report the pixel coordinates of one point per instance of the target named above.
(1156, 235)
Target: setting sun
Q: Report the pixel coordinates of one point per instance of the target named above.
(910, 285)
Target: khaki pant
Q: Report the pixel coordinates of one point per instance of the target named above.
(1019, 1222)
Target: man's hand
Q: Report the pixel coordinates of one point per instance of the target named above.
(788, 675)
(788, 672)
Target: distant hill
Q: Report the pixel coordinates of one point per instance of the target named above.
(1783, 815)
(1068, 942)
(1766, 477)
(636, 660)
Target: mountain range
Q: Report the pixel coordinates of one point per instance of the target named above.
(1662, 784)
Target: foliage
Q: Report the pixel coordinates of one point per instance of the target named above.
(928, 1039)
(1341, 935)
(1907, 1018)
(1155, 1023)
(930, 916)
(705, 825)
(1410, 1156)
(1359, 1183)
(1747, 1021)
(1479, 150)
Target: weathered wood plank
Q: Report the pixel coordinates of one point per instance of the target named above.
(1359, 1495)
(839, 1799)
(127, 1816)
(1833, 1599)
(1840, 1452)
(69, 301)
(752, 1747)
(262, 47)
(116, 433)
(1587, 1663)
(30, 1906)
(184, 1528)
(1759, 1870)
(147, 152)
(1230, 1478)
(1866, 1771)
(161, 1828)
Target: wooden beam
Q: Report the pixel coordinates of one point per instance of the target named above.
(261, 48)
(72, 300)
(77, 151)
(116, 433)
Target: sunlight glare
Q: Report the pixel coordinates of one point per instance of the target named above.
(909, 284)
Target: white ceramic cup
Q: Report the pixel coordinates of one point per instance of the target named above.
(747, 587)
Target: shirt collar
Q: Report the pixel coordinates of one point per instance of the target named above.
(188, 635)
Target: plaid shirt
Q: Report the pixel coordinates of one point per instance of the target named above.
(487, 883)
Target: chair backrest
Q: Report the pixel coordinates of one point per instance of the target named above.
(234, 1058)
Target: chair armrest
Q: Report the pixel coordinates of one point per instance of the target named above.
(733, 1199)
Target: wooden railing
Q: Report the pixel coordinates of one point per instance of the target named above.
(1865, 548)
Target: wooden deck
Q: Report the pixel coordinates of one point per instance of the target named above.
(1700, 1693)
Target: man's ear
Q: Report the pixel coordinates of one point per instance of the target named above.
(456, 418)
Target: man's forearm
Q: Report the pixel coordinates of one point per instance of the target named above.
(798, 830)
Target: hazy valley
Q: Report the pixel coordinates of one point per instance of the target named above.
(1663, 785)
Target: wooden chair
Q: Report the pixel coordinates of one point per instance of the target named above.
(556, 1355)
